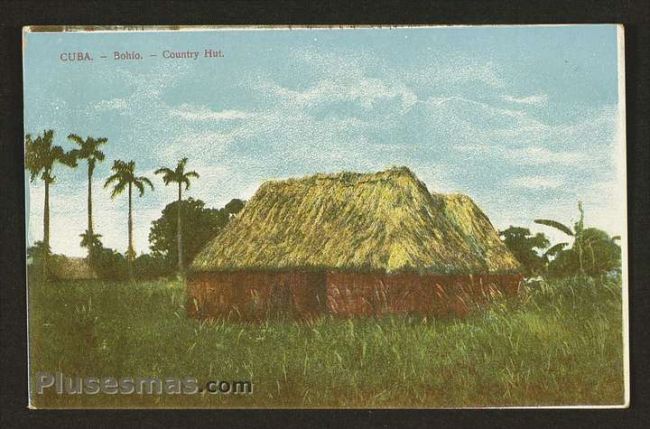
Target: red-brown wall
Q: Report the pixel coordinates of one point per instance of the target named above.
(258, 295)
(379, 293)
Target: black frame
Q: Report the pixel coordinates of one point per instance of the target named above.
(635, 15)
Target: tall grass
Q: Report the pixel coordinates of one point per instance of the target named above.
(559, 344)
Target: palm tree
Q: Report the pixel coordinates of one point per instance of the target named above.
(90, 241)
(89, 150)
(180, 177)
(124, 178)
(576, 233)
(40, 158)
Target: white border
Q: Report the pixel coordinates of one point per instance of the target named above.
(622, 160)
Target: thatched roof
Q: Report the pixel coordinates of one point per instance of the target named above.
(386, 221)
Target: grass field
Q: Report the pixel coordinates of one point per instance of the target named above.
(559, 344)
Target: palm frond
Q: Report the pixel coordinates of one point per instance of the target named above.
(146, 181)
(119, 188)
(188, 176)
(167, 174)
(164, 170)
(555, 249)
(139, 183)
(119, 165)
(90, 240)
(66, 158)
(139, 186)
(47, 176)
(48, 137)
(112, 179)
(76, 139)
(177, 175)
(57, 152)
(32, 157)
(555, 224)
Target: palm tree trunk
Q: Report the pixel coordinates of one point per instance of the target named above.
(46, 215)
(179, 234)
(46, 227)
(130, 252)
(582, 270)
(90, 201)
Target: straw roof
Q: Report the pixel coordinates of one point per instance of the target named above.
(386, 221)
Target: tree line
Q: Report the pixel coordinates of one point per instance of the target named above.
(589, 252)
(41, 158)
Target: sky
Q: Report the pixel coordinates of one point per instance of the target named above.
(525, 120)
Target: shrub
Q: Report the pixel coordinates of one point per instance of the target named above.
(149, 267)
(108, 264)
(600, 255)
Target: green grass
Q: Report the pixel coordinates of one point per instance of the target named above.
(560, 344)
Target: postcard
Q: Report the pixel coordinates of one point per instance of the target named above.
(326, 217)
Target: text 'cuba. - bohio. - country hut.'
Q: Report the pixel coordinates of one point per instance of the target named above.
(351, 244)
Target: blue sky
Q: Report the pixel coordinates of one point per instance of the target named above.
(522, 119)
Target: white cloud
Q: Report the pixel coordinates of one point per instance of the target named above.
(112, 104)
(485, 109)
(455, 71)
(531, 155)
(365, 91)
(201, 113)
(537, 182)
(534, 155)
(521, 139)
(538, 99)
(210, 143)
(414, 117)
(340, 77)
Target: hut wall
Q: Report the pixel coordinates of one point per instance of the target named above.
(379, 293)
(256, 295)
(259, 295)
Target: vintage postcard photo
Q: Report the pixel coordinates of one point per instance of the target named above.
(348, 217)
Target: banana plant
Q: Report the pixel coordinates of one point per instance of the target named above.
(577, 234)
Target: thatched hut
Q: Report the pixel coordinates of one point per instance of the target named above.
(351, 244)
